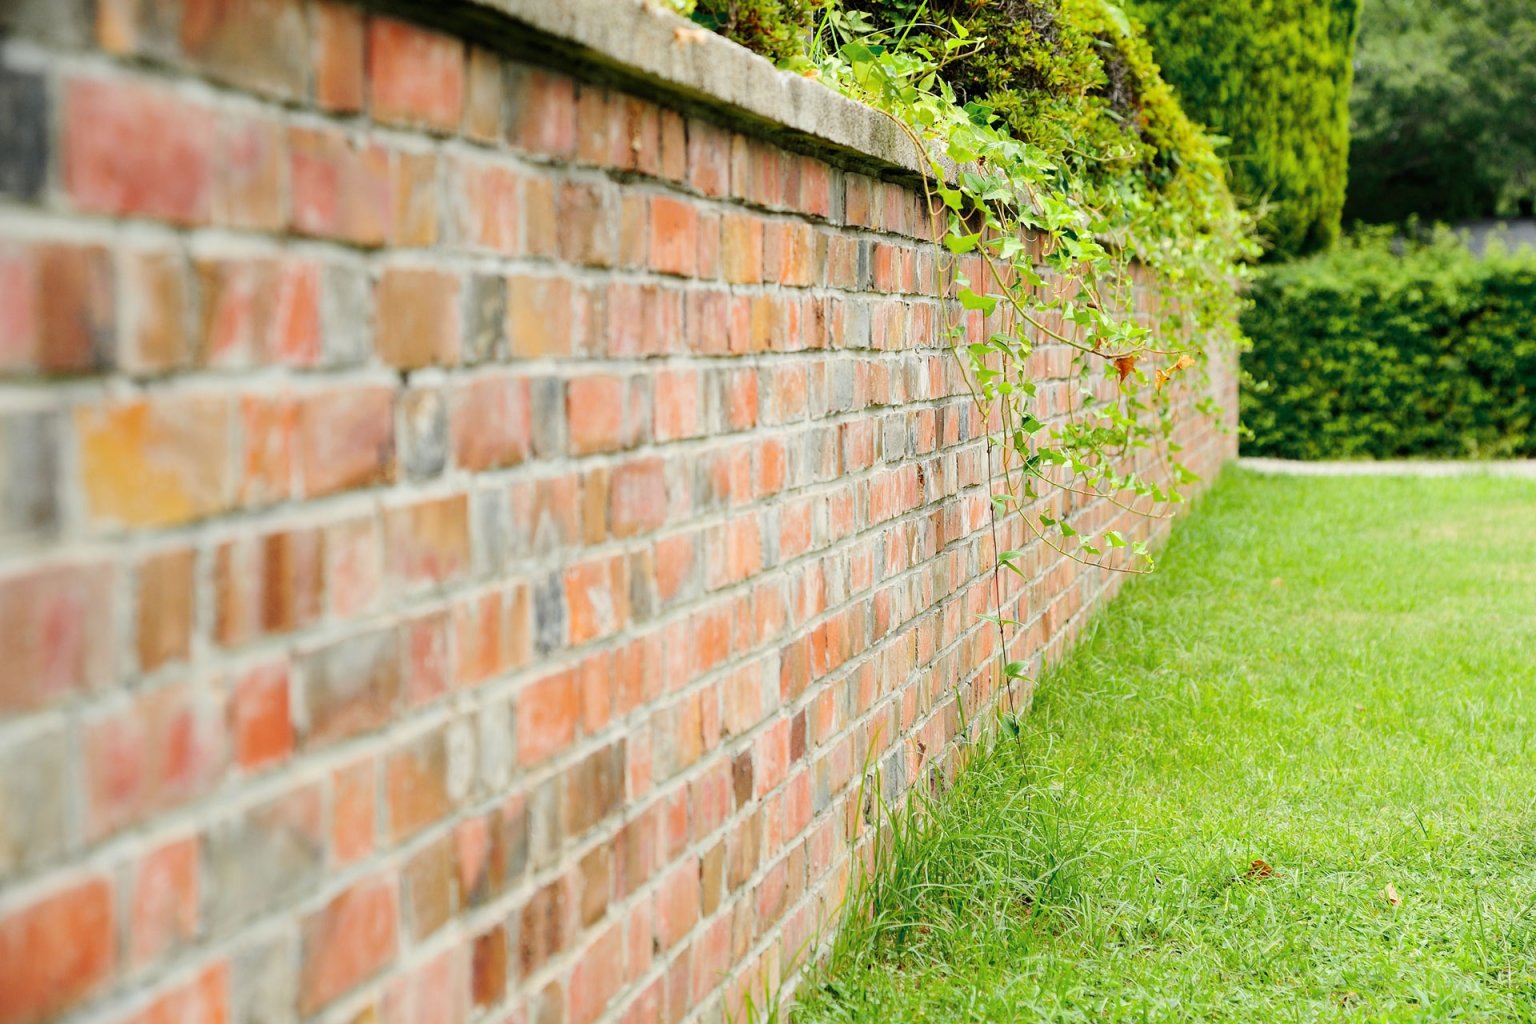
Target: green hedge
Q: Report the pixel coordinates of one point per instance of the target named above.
(1275, 79)
(1384, 349)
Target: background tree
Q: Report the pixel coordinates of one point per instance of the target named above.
(1443, 110)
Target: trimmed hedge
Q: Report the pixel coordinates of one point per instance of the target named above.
(1386, 349)
(1275, 79)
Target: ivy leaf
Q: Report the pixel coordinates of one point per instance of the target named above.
(961, 244)
(971, 300)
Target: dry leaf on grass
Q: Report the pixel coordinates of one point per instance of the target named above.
(1390, 892)
(1259, 869)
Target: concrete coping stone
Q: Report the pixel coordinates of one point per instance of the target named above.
(637, 45)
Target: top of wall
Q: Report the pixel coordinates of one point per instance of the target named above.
(635, 44)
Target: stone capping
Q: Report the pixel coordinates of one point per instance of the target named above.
(640, 46)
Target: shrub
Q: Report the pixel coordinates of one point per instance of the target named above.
(1275, 79)
(1382, 348)
(777, 29)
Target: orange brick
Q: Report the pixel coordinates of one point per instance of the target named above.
(414, 184)
(416, 781)
(637, 495)
(349, 940)
(484, 89)
(56, 631)
(339, 78)
(418, 318)
(166, 747)
(353, 810)
(268, 426)
(488, 968)
(674, 236)
(56, 951)
(741, 248)
(165, 600)
(595, 980)
(427, 541)
(677, 903)
(346, 439)
(678, 405)
(482, 644)
(606, 413)
(157, 463)
(137, 150)
(539, 316)
(415, 77)
(492, 423)
(548, 711)
(205, 998)
(260, 717)
(164, 913)
(597, 593)
(675, 565)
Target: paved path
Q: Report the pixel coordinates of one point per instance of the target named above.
(1525, 468)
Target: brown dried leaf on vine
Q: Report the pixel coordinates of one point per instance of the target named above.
(1184, 362)
(1125, 365)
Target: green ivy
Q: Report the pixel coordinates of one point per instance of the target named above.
(1384, 348)
(1275, 79)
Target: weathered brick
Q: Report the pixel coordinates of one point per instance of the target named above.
(416, 780)
(35, 800)
(339, 186)
(268, 584)
(204, 996)
(547, 713)
(539, 316)
(260, 719)
(637, 494)
(164, 747)
(56, 951)
(264, 857)
(23, 133)
(29, 475)
(261, 45)
(164, 910)
(137, 150)
(595, 981)
(347, 941)
(166, 607)
(427, 542)
(423, 433)
(547, 925)
(58, 314)
(484, 91)
(353, 810)
(352, 686)
(415, 77)
(606, 413)
(414, 185)
(156, 314)
(492, 422)
(597, 597)
(346, 439)
(589, 219)
(338, 56)
(427, 888)
(264, 980)
(542, 111)
(53, 623)
(488, 970)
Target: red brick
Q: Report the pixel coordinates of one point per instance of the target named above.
(482, 644)
(164, 913)
(428, 675)
(543, 112)
(416, 780)
(674, 236)
(137, 150)
(339, 72)
(486, 198)
(155, 335)
(675, 565)
(597, 977)
(157, 464)
(57, 308)
(56, 951)
(678, 405)
(353, 810)
(415, 77)
(166, 604)
(346, 439)
(260, 718)
(162, 749)
(418, 318)
(204, 998)
(340, 186)
(236, 299)
(677, 903)
(427, 541)
(548, 710)
(492, 423)
(56, 631)
(637, 493)
(261, 45)
(351, 939)
(354, 565)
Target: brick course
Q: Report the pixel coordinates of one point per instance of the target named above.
(463, 528)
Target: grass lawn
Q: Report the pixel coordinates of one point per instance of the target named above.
(1327, 688)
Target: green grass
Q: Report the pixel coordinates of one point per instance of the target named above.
(1336, 676)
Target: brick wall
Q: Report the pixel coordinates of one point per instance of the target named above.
(463, 528)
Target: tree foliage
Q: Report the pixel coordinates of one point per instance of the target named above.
(1443, 110)
(1274, 78)
(1385, 347)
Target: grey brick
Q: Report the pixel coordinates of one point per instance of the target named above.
(34, 800)
(424, 434)
(485, 318)
(29, 474)
(23, 133)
